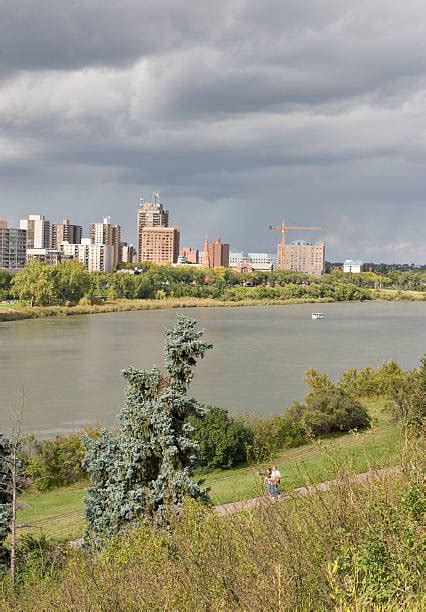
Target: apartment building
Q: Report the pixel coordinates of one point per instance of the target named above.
(301, 256)
(38, 231)
(159, 244)
(150, 214)
(13, 247)
(66, 232)
(95, 257)
(107, 234)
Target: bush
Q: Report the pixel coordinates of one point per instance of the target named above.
(53, 463)
(328, 408)
(356, 547)
(272, 434)
(39, 557)
(223, 440)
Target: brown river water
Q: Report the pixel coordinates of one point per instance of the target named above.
(70, 367)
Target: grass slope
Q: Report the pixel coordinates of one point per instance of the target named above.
(58, 513)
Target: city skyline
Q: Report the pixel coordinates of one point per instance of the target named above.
(240, 113)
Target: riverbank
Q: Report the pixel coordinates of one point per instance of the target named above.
(17, 313)
(59, 512)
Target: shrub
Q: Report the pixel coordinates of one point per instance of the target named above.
(222, 440)
(272, 434)
(53, 462)
(355, 547)
(39, 557)
(328, 408)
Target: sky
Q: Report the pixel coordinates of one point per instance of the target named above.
(240, 112)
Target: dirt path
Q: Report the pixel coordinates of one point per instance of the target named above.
(255, 502)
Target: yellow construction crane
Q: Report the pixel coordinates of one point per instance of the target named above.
(283, 228)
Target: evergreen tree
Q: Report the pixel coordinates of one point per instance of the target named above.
(5, 497)
(144, 471)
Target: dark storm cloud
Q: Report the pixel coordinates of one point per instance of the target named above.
(239, 111)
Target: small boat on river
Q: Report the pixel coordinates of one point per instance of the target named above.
(318, 315)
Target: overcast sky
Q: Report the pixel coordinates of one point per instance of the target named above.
(239, 112)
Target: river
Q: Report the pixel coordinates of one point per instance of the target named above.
(69, 368)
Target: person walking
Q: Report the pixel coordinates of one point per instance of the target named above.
(274, 482)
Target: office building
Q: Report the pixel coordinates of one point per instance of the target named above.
(13, 247)
(65, 232)
(215, 254)
(260, 262)
(107, 234)
(159, 244)
(38, 228)
(151, 214)
(305, 257)
(95, 257)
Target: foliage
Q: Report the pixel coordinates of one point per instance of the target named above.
(53, 463)
(144, 471)
(44, 285)
(328, 408)
(409, 398)
(41, 284)
(271, 434)
(5, 284)
(39, 558)
(222, 440)
(5, 496)
(357, 546)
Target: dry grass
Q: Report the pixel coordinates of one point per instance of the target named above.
(354, 547)
(36, 312)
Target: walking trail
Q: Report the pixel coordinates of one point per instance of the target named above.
(256, 502)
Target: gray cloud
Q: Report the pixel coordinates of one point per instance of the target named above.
(239, 112)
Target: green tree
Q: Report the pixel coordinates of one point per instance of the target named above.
(72, 281)
(223, 440)
(144, 471)
(36, 285)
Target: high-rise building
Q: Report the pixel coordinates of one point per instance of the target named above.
(301, 256)
(38, 230)
(151, 214)
(13, 247)
(215, 254)
(107, 234)
(3, 224)
(128, 253)
(65, 232)
(159, 244)
(95, 257)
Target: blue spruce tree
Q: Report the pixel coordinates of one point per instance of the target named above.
(5, 498)
(145, 470)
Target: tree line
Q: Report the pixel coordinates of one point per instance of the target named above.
(40, 284)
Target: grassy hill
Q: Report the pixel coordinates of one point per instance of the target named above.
(58, 513)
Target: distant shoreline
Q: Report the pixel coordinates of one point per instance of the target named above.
(124, 305)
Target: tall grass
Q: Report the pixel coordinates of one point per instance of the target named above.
(355, 546)
(122, 305)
